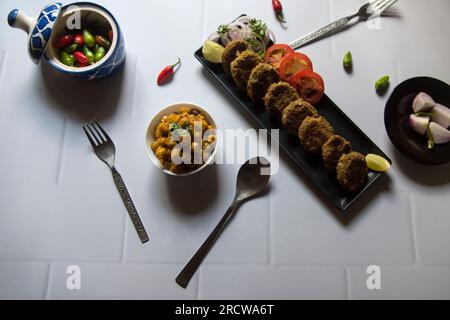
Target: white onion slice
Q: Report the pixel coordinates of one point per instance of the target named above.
(440, 134)
(419, 124)
(423, 103)
(441, 115)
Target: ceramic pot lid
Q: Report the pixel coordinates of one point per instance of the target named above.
(39, 29)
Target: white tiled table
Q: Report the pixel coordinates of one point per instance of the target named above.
(59, 206)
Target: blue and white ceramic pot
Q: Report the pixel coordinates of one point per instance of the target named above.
(56, 20)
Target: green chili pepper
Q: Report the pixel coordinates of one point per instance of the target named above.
(88, 38)
(72, 48)
(89, 54)
(430, 139)
(102, 42)
(382, 83)
(348, 60)
(67, 58)
(100, 54)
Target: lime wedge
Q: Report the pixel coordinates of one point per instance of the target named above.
(212, 51)
(377, 163)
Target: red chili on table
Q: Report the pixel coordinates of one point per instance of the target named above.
(278, 8)
(167, 73)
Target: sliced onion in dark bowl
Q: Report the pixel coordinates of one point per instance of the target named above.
(396, 117)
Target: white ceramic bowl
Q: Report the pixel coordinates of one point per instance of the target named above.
(150, 137)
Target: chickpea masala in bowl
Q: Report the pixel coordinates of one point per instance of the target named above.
(182, 138)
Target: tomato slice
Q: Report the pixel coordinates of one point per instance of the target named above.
(292, 63)
(276, 53)
(309, 85)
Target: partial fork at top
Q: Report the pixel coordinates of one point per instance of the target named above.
(372, 8)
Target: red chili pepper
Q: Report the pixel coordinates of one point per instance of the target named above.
(63, 41)
(81, 58)
(278, 8)
(167, 73)
(78, 39)
(110, 35)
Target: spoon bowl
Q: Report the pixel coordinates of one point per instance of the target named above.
(253, 178)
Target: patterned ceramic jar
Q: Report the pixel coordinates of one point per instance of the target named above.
(54, 20)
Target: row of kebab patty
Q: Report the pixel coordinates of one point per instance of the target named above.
(262, 83)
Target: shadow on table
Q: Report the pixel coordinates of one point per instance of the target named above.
(82, 99)
(426, 175)
(193, 195)
(356, 211)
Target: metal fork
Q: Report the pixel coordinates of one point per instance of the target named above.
(372, 8)
(106, 151)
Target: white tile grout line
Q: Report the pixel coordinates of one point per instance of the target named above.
(397, 70)
(134, 89)
(2, 65)
(330, 13)
(413, 229)
(124, 239)
(203, 36)
(270, 237)
(47, 288)
(197, 290)
(61, 153)
(347, 280)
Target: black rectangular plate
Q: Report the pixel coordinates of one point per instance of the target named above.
(312, 166)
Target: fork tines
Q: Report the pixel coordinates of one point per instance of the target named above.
(381, 5)
(95, 133)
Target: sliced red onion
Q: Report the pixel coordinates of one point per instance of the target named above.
(419, 124)
(423, 102)
(440, 134)
(441, 115)
(240, 29)
(214, 37)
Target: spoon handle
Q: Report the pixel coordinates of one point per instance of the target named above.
(186, 274)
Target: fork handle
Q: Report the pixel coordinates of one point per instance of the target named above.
(130, 206)
(321, 32)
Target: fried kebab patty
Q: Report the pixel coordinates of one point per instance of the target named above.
(278, 97)
(242, 67)
(232, 50)
(313, 133)
(295, 113)
(333, 150)
(261, 78)
(352, 171)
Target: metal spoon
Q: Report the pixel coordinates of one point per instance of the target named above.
(252, 179)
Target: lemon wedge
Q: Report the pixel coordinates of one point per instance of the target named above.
(377, 163)
(212, 51)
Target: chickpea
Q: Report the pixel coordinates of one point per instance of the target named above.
(173, 118)
(155, 145)
(164, 129)
(161, 153)
(161, 141)
(184, 122)
(170, 144)
(185, 110)
(176, 168)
